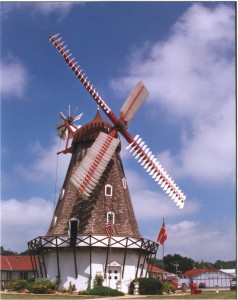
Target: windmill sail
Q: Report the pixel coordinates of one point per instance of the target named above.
(133, 102)
(149, 162)
(88, 173)
(138, 148)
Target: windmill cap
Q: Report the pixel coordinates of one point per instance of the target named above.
(91, 130)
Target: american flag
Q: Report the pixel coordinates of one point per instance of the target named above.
(162, 236)
(109, 226)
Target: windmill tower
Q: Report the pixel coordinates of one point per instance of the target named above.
(94, 229)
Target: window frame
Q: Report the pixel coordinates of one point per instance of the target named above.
(113, 217)
(107, 186)
(124, 182)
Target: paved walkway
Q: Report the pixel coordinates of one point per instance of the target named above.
(135, 297)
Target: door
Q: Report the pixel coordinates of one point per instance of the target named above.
(113, 276)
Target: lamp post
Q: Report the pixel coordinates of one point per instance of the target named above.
(176, 267)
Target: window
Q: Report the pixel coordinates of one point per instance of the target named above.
(111, 217)
(23, 275)
(124, 182)
(55, 220)
(108, 190)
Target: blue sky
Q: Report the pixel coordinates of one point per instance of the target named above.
(184, 53)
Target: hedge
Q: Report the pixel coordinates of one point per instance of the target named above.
(147, 286)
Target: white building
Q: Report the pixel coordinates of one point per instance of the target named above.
(209, 278)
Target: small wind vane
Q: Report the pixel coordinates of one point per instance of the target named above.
(88, 174)
(66, 130)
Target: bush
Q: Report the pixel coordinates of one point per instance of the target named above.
(168, 288)
(104, 291)
(98, 280)
(43, 287)
(16, 285)
(71, 287)
(3, 286)
(29, 286)
(9, 285)
(147, 286)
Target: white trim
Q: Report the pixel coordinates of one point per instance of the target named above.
(124, 183)
(106, 187)
(113, 217)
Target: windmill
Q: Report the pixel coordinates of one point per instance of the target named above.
(94, 229)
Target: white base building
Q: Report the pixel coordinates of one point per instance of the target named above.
(119, 264)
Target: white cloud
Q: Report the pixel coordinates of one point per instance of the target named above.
(59, 8)
(154, 205)
(47, 164)
(149, 205)
(14, 77)
(22, 221)
(202, 242)
(191, 75)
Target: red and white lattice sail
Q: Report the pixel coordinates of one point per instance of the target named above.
(87, 175)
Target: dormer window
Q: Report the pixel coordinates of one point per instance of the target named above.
(73, 230)
(108, 190)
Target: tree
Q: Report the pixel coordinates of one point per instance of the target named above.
(159, 263)
(7, 252)
(219, 264)
(178, 264)
(203, 265)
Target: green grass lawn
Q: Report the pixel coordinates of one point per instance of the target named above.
(203, 295)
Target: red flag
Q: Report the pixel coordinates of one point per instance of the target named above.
(109, 229)
(162, 236)
(109, 226)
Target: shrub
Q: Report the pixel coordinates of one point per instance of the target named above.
(16, 285)
(85, 292)
(105, 291)
(147, 286)
(9, 285)
(168, 288)
(71, 287)
(3, 286)
(43, 287)
(98, 280)
(29, 286)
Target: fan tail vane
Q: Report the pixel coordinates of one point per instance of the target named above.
(133, 102)
(66, 130)
(88, 173)
(152, 165)
(61, 132)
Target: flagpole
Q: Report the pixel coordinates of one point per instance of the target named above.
(163, 244)
(109, 259)
(163, 252)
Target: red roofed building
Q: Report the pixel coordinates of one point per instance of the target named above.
(156, 272)
(15, 267)
(209, 277)
(162, 275)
